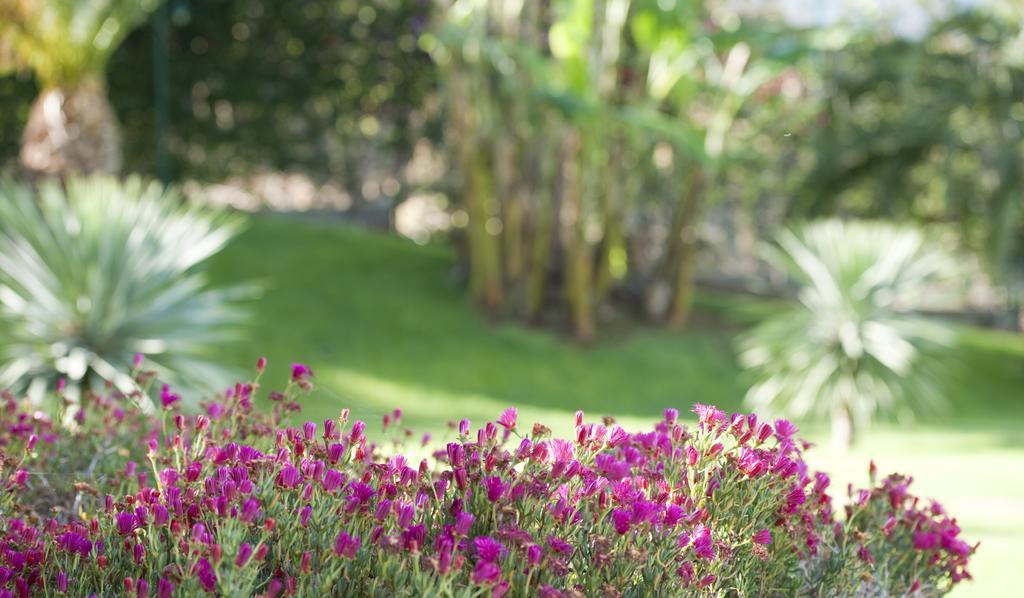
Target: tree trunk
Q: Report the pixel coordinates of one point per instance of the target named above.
(842, 427)
(483, 244)
(686, 258)
(578, 258)
(72, 131)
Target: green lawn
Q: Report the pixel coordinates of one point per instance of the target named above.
(383, 324)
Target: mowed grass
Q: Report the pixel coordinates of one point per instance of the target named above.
(384, 324)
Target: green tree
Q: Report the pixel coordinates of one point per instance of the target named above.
(67, 44)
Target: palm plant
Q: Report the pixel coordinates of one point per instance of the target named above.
(853, 346)
(96, 270)
(67, 43)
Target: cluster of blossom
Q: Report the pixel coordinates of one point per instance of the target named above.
(237, 503)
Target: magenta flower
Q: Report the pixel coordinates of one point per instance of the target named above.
(126, 523)
(488, 549)
(559, 545)
(346, 546)
(925, 540)
(486, 572)
(463, 523)
(534, 554)
(164, 588)
(795, 498)
(763, 537)
(61, 583)
(685, 571)
(357, 431)
(289, 477)
(621, 520)
(330, 429)
(203, 571)
(333, 479)
(244, 553)
(671, 416)
(617, 437)
(300, 372)
(168, 398)
(495, 488)
(508, 418)
(703, 547)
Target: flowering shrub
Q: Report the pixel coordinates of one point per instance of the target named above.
(235, 502)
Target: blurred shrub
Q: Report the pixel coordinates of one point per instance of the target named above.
(851, 347)
(94, 273)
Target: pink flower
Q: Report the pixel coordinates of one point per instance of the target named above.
(784, 429)
(709, 416)
(692, 456)
(763, 537)
(750, 463)
(671, 416)
(508, 418)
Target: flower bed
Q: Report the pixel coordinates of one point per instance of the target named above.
(235, 502)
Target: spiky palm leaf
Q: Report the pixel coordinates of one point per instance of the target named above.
(101, 269)
(853, 346)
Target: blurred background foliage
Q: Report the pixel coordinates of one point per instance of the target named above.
(693, 104)
(315, 86)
